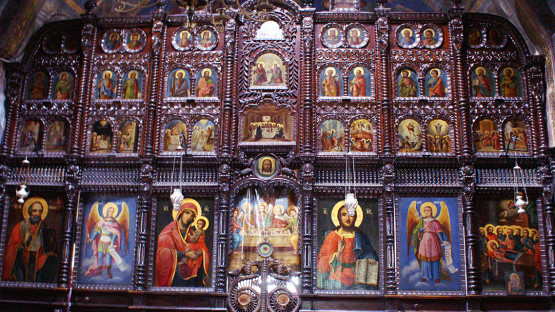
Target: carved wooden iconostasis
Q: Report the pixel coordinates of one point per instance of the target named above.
(253, 123)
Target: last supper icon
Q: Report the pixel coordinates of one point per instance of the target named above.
(267, 124)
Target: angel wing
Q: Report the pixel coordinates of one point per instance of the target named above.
(94, 217)
(123, 221)
(412, 220)
(444, 220)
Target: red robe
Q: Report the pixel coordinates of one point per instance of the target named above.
(345, 273)
(169, 242)
(16, 241)
(358, 86)
(279, 223)
(437, 89)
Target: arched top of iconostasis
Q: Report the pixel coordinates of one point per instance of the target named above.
(53, 40)
(289, 6)
(509, 37)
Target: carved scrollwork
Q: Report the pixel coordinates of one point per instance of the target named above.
(345, 55)
(420, 55)
(382, 28)
(110, 59)
(457, 33)
(70, 61)
(491, 56)
(87, 37)
(156, 37)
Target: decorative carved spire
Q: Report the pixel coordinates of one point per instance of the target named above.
(90, 5)
(382, 3)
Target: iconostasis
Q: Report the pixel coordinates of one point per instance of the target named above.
(264, 127)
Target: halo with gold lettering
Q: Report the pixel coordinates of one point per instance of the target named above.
(32, 200)
(341, 204)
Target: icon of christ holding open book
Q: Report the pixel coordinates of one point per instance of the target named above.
(347, 260)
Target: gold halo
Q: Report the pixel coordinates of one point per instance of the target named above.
(279, 206)
(181, 71)
(338, 206)
(245, 206)
(510, 69)
(333, 28)
(135, 33)
(409, 30)
(108, 205)
(272, 161)
(513, 274)
(434, 209)
(32, 200)
(516, 227)
(407, 70)
(293, 208)
(359, 68)
(429, 29)
(113, 33)
(330, 68)
(478, 68)
(182, 33)
(131, 72)
(497, 227)
(482, 228)
(107, 72)
(355, 29)
(439, 71)
(187, 200)
(205, 221)
(206, 31)
(64, 72)
(492, 242)
(207, 69)
(263, 206)
(533, 232)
